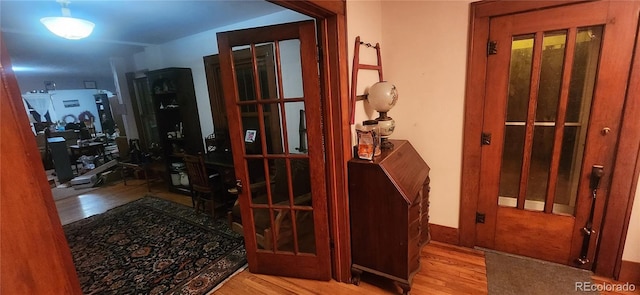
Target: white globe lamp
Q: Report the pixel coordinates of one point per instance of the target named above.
(382, 97)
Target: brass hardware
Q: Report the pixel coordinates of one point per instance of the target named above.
(605, 130)
(486, 138)
(492, 47)
(582, 261)
(597, 171)
(588, 232)
(596, 174)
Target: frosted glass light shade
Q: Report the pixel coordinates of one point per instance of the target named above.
(68, 27)
(382, 96)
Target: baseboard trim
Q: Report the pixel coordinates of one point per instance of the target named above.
(630, 272)
(444, 234)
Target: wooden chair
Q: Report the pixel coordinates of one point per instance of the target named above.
(129, 163)
(279, 196)
(203, 186)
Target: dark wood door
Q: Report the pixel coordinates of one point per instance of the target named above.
(35, 255)
(272, 105)
(554, 95)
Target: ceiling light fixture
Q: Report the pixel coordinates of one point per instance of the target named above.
(66, 26)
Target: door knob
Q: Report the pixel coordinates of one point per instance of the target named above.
(605, 130)
(597, 171)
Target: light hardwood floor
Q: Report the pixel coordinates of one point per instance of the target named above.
(445, 269)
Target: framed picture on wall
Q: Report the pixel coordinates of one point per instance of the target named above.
(90, 85)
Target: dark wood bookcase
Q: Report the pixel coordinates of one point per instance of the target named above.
(389, 208)
(176, 109)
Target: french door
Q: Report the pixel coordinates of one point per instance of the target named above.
(274, 112)
(554, 94)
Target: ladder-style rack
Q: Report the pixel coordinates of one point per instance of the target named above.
(354, 73)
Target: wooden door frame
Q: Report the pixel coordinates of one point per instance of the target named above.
(627, 160)
(331, 33)
(36, 256)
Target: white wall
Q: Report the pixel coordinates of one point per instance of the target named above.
(189, 51)
(424, 53)
(427, 62)
(86, 105)
(362, 16)
(59, 111)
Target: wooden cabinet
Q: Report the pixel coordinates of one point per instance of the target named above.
(177, 119)
(143, 110)
(389, 208)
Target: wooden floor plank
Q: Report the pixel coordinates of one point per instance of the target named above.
(445, 269)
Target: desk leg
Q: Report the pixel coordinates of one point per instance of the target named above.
(104, 155)
(73, 158)
(123, 174)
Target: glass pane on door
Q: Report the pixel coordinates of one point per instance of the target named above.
(545, 109)
(551, 65)
(246, 83)
(583, 77)
(517, 102)
(296, 127)
(276, 155)
(291, 64)
(273, 128)
(511, 165)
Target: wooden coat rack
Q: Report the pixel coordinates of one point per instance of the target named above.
(354, 74)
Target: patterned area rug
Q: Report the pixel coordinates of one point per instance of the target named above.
(153, 246)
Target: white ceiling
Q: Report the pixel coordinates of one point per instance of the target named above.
(122, 28)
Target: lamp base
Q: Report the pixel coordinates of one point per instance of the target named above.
(386, 144)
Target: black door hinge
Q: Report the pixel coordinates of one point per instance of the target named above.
(480, 217)
(492, 48)
(486, 138)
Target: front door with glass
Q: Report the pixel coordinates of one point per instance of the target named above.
(554, 95)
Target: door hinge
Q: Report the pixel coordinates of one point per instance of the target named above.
(480, 217)
(486, 138)
(492, 48)
(319, 53)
